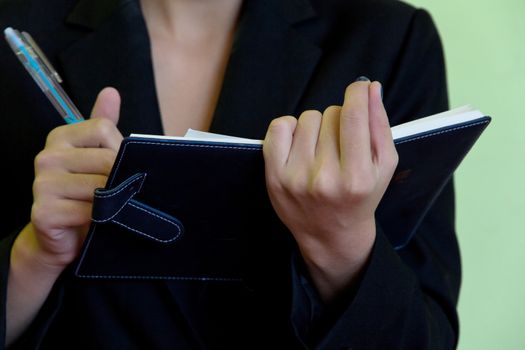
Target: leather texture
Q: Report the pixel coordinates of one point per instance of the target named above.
(216, 191)
(117, 206)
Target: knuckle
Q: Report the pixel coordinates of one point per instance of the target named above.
(104, 127)
(391, 159)
(287, 119)
(321, 190)
(55, 134)
(40, 216)
(394, 159)
(359, 188)
(39, 160)
(324, 186)
(310, 116)
(284, 122)
(274, 184)
(295, 184)
(333, 109)
(312, 113)
(44, 160)
(40, 184)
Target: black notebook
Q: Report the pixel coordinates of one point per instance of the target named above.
(196, 207)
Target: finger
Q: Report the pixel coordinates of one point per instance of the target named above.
(328, 143)
(354, 127)
(305, 138)
(60, 214)
(99, 131)
(278, 142)
(107, 105)
(76, 160)
(383, 149)
(93, 133)
(68, 186)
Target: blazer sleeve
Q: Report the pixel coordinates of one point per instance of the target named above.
(406, 298)
(5, 254)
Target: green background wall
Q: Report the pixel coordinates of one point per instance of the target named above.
(484, 45)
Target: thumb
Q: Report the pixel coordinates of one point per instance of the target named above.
(107, 105)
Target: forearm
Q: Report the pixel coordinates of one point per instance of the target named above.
(29, 284)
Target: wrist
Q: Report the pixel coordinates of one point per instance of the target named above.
(30, 280)
(28, 256)
(336, 264)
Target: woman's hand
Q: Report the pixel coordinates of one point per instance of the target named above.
(77, 158)
(326, 174)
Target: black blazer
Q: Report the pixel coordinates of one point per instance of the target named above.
(288, 56)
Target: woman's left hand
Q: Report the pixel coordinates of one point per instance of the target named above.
(326, 174)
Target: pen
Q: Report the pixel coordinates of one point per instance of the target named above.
(42, 73)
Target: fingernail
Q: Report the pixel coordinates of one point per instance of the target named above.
(362, 78)
(381, 92)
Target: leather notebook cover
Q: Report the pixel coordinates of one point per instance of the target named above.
(176, 209)
(183, 210)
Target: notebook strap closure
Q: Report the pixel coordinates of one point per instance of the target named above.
(118, 206)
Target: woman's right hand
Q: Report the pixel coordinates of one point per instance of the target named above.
(76, 160)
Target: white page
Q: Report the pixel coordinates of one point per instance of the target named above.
(437, 121)
(454, 116)
(195, 135)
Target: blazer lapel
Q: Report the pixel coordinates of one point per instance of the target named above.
(115, 52)
(268, 71)
(269, 68)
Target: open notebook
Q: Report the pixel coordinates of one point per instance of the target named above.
(196, 207)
